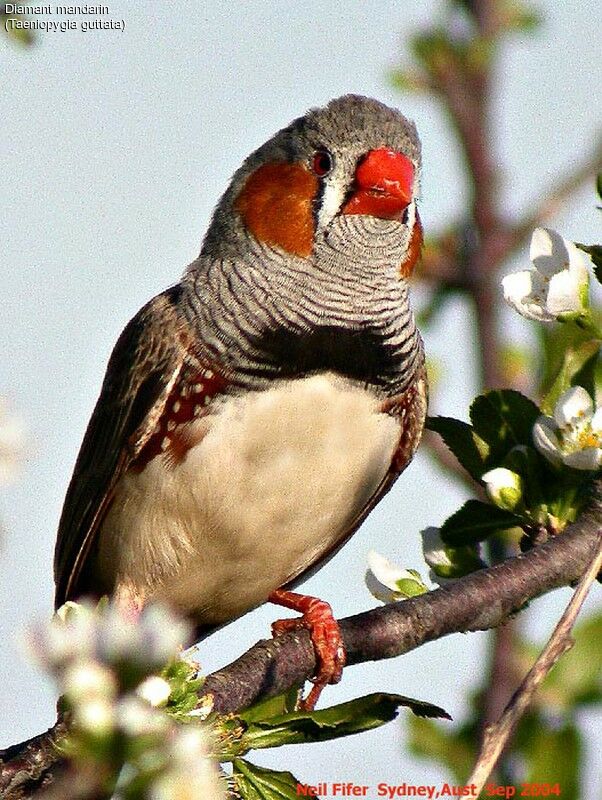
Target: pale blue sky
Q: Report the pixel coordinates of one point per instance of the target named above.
(115, 147)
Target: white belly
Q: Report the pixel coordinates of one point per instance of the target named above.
(274, 484)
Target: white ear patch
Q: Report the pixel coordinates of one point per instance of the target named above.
(333, 196)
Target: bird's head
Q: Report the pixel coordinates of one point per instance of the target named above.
(341, 179)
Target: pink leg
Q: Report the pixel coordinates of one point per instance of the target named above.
(325, 635)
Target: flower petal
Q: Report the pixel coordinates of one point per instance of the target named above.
(549, 252)
(379, 590)
(84, 679)
(565, 293)
(596, 421)
(433, 548)
(385, 571)
(573, 406)
(501, 478)
(155, 690)
(546, 440)
(389, 582)
(96, 716)
(526, 292)
(517, 286)
(579, 261)
(588, 459)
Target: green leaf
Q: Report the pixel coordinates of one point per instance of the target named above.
(468, 448)
(553, 756)
(463, 561)
(271, 707)
(599, 185)
(503, 418)
(576, 680)
(411, 588)
(578, 368)
(258, 783)
(185, 684)
(447, 747)
(355, 716)
(432, 44)
(476, 521)
(527, 21)
(555, 340)
(407, 80)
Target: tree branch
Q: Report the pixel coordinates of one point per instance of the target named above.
(497, 735)
(479, 601)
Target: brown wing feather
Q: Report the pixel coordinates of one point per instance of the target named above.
(143, 367)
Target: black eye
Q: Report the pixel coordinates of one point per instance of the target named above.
(322, 163)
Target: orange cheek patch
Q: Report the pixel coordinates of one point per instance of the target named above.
(414, 250)
(276, 207)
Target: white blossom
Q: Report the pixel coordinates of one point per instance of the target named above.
(150, 640)
(79, 631)
(558, 286)
(388, 582)
(136, 718)
(69, 636)
(95, 715)
(192, 773)
(154, 690)
(103, 660)
(436, 556)
(87, 679)
(504, 487)
(573, 435)
(434, 548)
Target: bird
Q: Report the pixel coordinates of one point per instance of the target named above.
(253, 414)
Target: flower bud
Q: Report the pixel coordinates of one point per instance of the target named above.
(388, 582)
(154, 690)
(504, 487)
(95, 716)
(88, 679)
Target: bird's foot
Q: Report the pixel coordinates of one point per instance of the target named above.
(325, 635)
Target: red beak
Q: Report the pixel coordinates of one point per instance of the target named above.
(383, 185)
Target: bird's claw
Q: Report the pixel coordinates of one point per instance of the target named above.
(317, 617)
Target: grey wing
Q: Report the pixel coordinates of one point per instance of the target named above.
(143, 367)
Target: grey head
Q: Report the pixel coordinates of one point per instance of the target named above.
(344, 131)
(308, 250)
